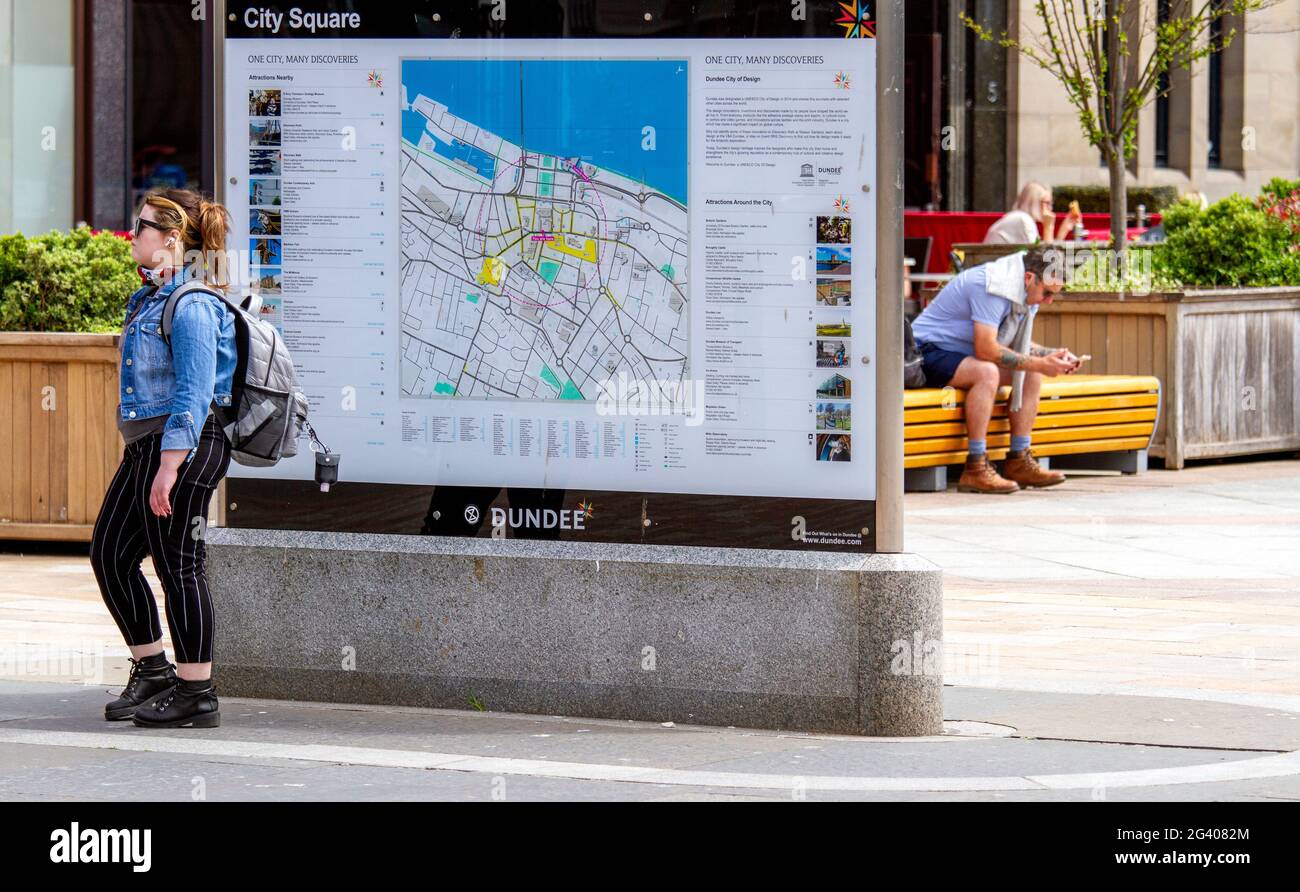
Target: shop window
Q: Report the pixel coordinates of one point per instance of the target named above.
(166, 96)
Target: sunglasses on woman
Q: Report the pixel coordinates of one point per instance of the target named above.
(142, 222)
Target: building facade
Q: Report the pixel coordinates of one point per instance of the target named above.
(984, 120)
(101, 100)
(37, 115)
(1228, 125)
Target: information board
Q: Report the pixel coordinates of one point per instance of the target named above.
(610, 279)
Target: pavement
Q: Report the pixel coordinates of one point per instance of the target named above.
(1113, 638)
(1170, 583)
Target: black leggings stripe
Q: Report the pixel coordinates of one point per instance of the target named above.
(127, 529)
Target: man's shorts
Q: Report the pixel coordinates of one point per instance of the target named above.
(939, 365)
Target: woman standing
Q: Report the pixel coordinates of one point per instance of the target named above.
(176, 453)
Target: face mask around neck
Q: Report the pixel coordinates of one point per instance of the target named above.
(151, 276)
(159, 277)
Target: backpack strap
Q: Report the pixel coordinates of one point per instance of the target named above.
(251, 304)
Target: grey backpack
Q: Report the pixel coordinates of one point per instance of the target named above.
(913, 364)
(267, 411)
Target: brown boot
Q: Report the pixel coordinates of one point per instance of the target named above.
(1023, 468)
(980, 476)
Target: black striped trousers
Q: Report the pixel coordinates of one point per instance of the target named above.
(127, 529)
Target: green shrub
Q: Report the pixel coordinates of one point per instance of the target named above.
(1100, 271)
(1096, 199)
(1280, 188)
(65, 281)
(1233, 242)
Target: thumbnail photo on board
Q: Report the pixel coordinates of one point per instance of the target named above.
(834, 230)
(264, 162)
(834, 260)
(263, 222)
(835, 386)
(834, 292)
(267, 280)
(833, 416)
(832, 326)
(263, 103)
(832, 353)
(833, 447)
(264, 132)
(266, 251)
(264, 192)
(272, 311)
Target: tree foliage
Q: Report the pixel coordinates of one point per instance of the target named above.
(1089, 47)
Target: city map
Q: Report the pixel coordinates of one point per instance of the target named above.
(542, 255)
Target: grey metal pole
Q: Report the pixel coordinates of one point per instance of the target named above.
(218, 112)
(889, 276)
(218, 109)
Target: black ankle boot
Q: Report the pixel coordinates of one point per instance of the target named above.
(150, 677)
(188, 703)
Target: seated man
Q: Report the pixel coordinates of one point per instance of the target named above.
(958, 337)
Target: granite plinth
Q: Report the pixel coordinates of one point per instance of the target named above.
(832, 642)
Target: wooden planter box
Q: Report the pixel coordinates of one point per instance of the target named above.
(59, 443)
(976, 253)
(1226, 359)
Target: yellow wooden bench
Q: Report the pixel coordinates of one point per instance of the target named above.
(1098, 421)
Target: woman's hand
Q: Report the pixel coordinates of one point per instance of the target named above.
(1048, 218)
(1068, 222)
(163, 481)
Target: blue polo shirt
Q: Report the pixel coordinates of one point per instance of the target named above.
(947, 322)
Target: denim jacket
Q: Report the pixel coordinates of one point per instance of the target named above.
(184, 381)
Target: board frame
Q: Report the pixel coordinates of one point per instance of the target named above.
(632, 517)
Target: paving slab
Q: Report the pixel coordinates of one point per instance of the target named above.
(1121, 638)
(55, 744)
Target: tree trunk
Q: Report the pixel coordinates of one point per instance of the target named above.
(1117, 71)
(1118, 204)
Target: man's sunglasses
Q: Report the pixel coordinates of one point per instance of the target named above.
(1050, 292)
(142, 222)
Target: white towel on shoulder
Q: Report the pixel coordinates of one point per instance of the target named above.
(1005, 277)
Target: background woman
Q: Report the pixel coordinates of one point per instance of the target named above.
(176, 454)
(1019, 226)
